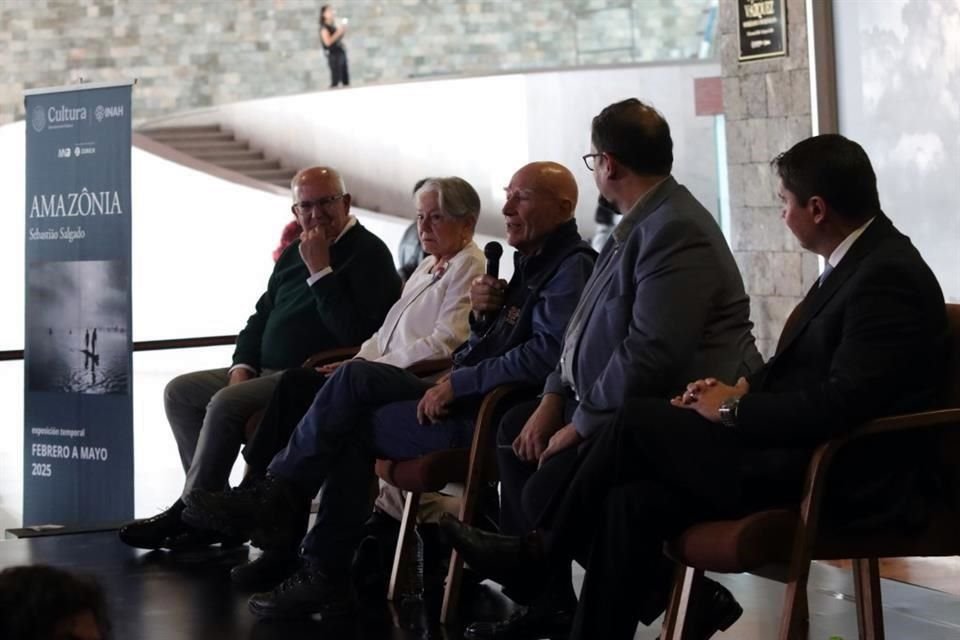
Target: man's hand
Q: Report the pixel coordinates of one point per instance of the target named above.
(486, 294)
(561, 440)
(315, 249)
(706, 396)
(329, 368)
(433, 405)
(240, 374)
(545, 420)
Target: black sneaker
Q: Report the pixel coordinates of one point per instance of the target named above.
(265, 572)
(155, 532)
(306, 592)
(270, 512)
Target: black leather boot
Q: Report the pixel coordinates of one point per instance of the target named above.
(269, 512)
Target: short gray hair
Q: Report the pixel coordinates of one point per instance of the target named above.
(456, 197)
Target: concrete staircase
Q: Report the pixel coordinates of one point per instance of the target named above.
(210, 144)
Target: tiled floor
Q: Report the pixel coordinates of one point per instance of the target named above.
(155, 595)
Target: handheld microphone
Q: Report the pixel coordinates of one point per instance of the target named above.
(492, 251)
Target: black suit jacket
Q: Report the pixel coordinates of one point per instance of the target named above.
(869, 342)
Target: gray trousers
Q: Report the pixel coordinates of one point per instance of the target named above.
(208, 419)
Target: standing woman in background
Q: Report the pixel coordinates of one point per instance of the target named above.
(331, 35)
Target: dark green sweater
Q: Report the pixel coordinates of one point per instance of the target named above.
(293, 321)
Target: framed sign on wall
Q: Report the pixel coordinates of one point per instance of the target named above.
(762, 25)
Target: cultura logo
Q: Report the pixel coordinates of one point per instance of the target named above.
(38, 119)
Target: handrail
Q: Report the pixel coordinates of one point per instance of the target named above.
(151, 345)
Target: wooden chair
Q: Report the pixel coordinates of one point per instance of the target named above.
(474, 467)
(780, 543)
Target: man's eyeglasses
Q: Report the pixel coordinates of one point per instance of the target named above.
(320, 204)
(590, 160)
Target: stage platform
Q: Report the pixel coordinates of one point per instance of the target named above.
(158, 595)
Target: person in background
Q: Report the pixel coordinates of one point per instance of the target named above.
(606, 218)
(45, 603)
(410, 253)
(290, 233)
(331, 35)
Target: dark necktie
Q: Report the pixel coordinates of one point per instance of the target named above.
(827, 268)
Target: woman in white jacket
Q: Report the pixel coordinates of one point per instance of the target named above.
(428, 322)
(430, 319)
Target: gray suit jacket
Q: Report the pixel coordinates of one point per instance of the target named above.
(665, 305)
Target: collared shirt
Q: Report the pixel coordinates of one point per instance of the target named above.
(844, 246)
(351, 222)
(571, 339)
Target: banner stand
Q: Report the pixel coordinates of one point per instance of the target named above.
(78, 404)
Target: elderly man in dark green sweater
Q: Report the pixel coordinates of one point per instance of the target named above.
(331, 288)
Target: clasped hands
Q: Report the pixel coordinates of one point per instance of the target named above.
(435, 403)
(545, 435)
(705, 396)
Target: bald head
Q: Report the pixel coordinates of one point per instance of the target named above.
(319, 176)
(541, 196)
(555, 179)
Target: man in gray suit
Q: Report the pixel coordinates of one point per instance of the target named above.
(665, 305)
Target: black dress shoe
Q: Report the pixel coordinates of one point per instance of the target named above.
(306, 592)
(516, 563)
(715, 610)
(527, 623)
(265, 572)
(155, 532)
(193, 539)
(270, 512)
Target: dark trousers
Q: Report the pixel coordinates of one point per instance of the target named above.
(526, 492)
(339, 73)
(645, 477)
(291, 399)
(364, 411)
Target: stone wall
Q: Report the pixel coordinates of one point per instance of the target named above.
(196, 53)
(767, 108)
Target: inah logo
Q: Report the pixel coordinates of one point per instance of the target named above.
(102, 112)
(38, 119)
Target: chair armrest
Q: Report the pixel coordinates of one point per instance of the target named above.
(329, 356)
(423, 368)
(824, 454)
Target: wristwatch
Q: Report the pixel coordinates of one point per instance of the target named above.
(728, 412)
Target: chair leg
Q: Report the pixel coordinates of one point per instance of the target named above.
(685, 581)
(796, 616)
(866, 585)
(401, 556)
(451, 592)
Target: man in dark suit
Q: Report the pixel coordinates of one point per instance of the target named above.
(665, 304)
(848, 353)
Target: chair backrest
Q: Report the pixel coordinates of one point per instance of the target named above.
(952, 390)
